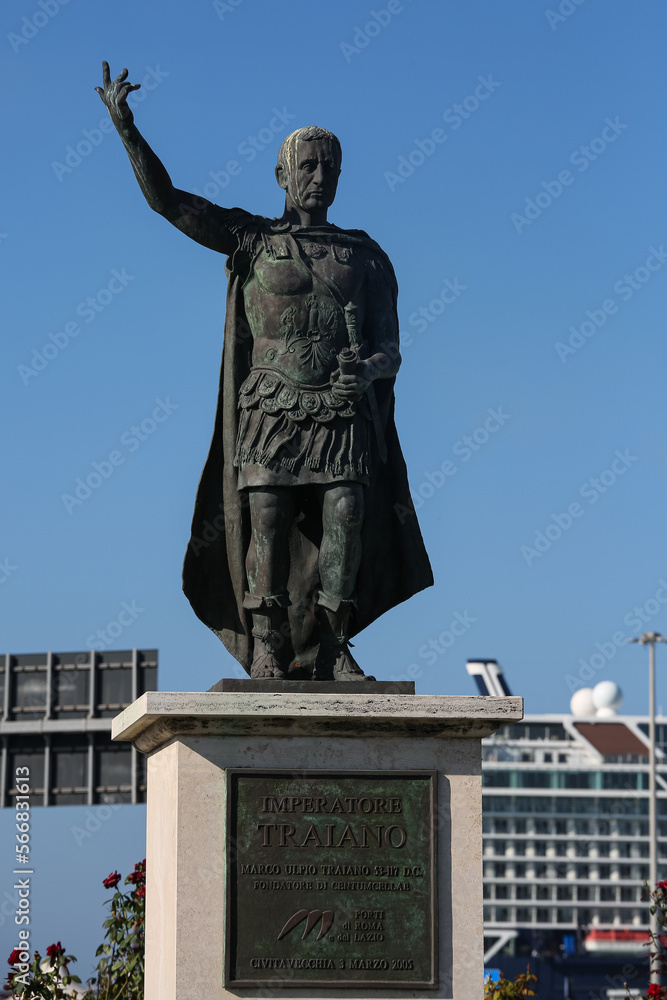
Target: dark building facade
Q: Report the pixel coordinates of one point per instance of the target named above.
(56, 721)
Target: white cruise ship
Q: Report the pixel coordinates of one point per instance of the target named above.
(566, 840)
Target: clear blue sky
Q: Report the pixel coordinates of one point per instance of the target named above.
(537, 207)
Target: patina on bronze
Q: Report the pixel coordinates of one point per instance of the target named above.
(304, 531)
(331, 879)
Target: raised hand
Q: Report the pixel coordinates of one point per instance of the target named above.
(115, 94)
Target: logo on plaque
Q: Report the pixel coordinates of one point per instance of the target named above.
(326, 916)
(331, 879)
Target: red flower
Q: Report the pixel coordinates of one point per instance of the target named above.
(14, 957)
(138, 876)
(654, 992)
(140, 892)
(111, 881)
(54, 950)
(661, 885)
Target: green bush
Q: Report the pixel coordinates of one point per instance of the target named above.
(511, 989)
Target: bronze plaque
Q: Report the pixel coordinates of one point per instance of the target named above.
(331, 879)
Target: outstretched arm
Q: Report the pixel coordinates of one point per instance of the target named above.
(196, 217)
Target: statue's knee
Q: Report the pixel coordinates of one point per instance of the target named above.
(268, 510)
(348, 510)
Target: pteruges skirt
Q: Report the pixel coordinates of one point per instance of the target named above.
(295, 435)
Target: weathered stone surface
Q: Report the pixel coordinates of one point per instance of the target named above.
(158, 716)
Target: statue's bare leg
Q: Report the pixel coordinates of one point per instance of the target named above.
(267, 567)
(340, 557)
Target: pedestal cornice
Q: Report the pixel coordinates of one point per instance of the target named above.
(160, 716)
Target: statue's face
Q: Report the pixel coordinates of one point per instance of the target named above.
(313, 187)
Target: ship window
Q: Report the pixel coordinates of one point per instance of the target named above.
(543, 892)
(564, 892)
(608, 893)
(631, 806)
(543, 916)
(583, 892)
(495, 803)
(536, 779)
(565, 916)
(523, 915)
(523, 891)
(502, 914)
(577, 779)
(519, 848)
(660, 733)
(534, 804)
(619, 779)
(496, 779)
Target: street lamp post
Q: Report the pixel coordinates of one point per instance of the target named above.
(649, 639)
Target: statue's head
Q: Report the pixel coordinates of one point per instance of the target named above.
(309, 167)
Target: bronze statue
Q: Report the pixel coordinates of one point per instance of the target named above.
(303, 531)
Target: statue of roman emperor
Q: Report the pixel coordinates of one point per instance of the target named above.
(303, 531)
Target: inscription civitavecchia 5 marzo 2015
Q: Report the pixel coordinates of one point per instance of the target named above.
(331, 878)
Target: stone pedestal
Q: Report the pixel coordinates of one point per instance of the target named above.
(196, 742)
